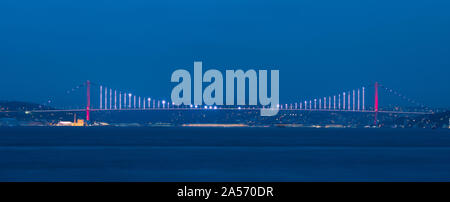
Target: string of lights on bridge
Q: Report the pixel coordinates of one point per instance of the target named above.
(347, 101)
(351, 100)
(113, 99)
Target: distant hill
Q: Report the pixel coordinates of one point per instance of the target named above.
(440, 119)
(12, 111)
(21, 106)
(437, 120)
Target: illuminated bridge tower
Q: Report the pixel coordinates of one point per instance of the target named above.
(88, 100)
(376, 103)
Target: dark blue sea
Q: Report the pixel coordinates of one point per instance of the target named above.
(223, 154)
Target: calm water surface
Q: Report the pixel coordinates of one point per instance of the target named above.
(223, 154)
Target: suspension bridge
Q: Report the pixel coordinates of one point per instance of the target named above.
(355, 100)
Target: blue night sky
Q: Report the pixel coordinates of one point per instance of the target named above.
(320, 46)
